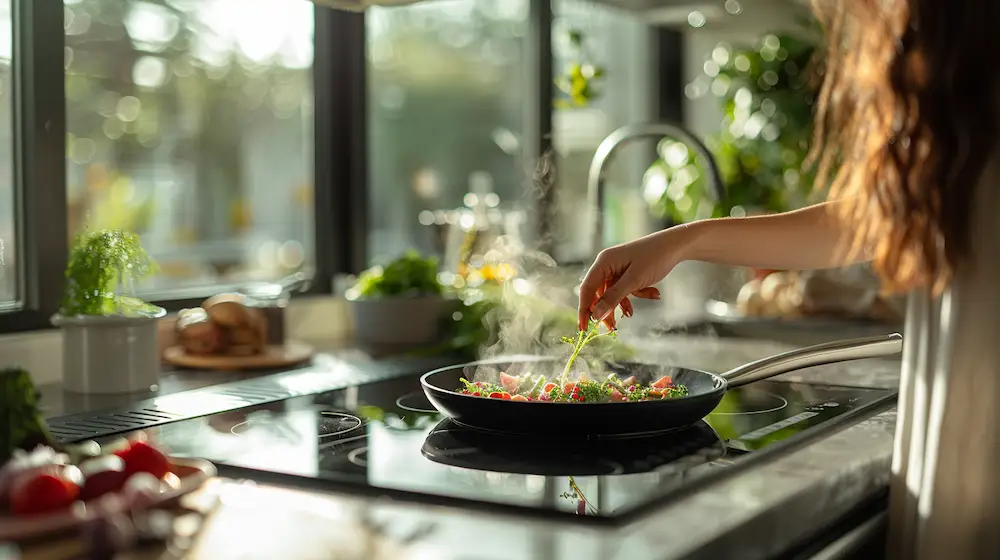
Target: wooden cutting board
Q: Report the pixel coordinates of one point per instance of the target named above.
(292, 353)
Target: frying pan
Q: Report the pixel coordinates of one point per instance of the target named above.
(705, 391)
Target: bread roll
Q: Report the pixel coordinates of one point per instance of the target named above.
(197, 333)
(227, 310)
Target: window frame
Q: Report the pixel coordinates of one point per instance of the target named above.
(340, 146)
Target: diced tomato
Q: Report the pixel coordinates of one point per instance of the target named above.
(663, 382)
(548, 387)
(569, 387)
(519, 398)
(44, 490)
(509, 382)
(496, 395)
(628, 381)
(617, 397)
(143, 457)
(476, 394)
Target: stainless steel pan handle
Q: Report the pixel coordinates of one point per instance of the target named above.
(826, 353)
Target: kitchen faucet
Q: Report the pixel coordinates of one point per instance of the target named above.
(595, 179)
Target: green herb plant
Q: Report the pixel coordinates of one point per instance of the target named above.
(583, 338)
(100, 263)
(408, 276)
(21, 424)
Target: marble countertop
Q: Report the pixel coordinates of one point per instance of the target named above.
(751, 514)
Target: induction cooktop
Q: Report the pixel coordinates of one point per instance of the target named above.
(385, 439)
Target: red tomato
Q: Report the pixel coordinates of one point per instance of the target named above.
(548, 387)
(569, 387)
(663, 382)
(143, 457)
(101, 476)
(496, 395)
(43, 491)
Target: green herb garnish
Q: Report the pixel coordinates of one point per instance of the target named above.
(583, 338)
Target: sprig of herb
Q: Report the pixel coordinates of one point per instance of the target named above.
(583, 338)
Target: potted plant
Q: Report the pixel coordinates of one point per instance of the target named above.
(399, 306)
(109, 339)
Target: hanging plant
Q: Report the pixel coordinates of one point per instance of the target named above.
(580, 81)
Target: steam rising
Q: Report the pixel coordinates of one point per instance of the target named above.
(524, 324)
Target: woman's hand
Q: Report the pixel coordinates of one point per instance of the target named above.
(629, 269)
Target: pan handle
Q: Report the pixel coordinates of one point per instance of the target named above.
(820, 354)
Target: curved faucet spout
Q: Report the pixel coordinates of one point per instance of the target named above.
(607, 148)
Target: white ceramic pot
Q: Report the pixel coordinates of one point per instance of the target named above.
(387, 325)
(110, 354)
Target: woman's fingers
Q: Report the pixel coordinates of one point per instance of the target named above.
(591, 289)
(647, 293)
(626, 306)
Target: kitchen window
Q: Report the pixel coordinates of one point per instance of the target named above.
(190, 123)
(446, 91)
(246, 139)
(9, 265)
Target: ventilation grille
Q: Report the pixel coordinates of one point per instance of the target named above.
(175, 407)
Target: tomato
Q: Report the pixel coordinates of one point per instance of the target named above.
(101, 476)
(496, 395)
(45, 490)
(143, 457)
(509, 382)
(569, 387)
(548, 387)
(663, 382)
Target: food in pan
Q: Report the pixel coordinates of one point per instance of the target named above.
(528, 387)
(223, 325)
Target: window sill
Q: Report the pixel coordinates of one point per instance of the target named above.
(317, 320)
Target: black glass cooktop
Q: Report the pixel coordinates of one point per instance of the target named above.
(385, 438)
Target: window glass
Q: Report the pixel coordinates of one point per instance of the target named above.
(446, 97)
(190, 123)
(8, 258)
(616, 44)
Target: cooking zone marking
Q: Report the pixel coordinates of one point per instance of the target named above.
(768, 430)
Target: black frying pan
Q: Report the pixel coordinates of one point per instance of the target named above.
(705, 391)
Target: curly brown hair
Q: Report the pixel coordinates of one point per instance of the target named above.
(907, 120)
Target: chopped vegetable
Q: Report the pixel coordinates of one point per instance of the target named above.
(53, 487)
(584, 391)
(143, 457)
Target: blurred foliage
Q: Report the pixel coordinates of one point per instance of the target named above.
(22, 425)
(579, 83)
(408, 276)
(100, 263)
(766, 94)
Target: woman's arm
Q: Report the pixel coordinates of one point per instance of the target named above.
(810, 238)
(805, 239)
